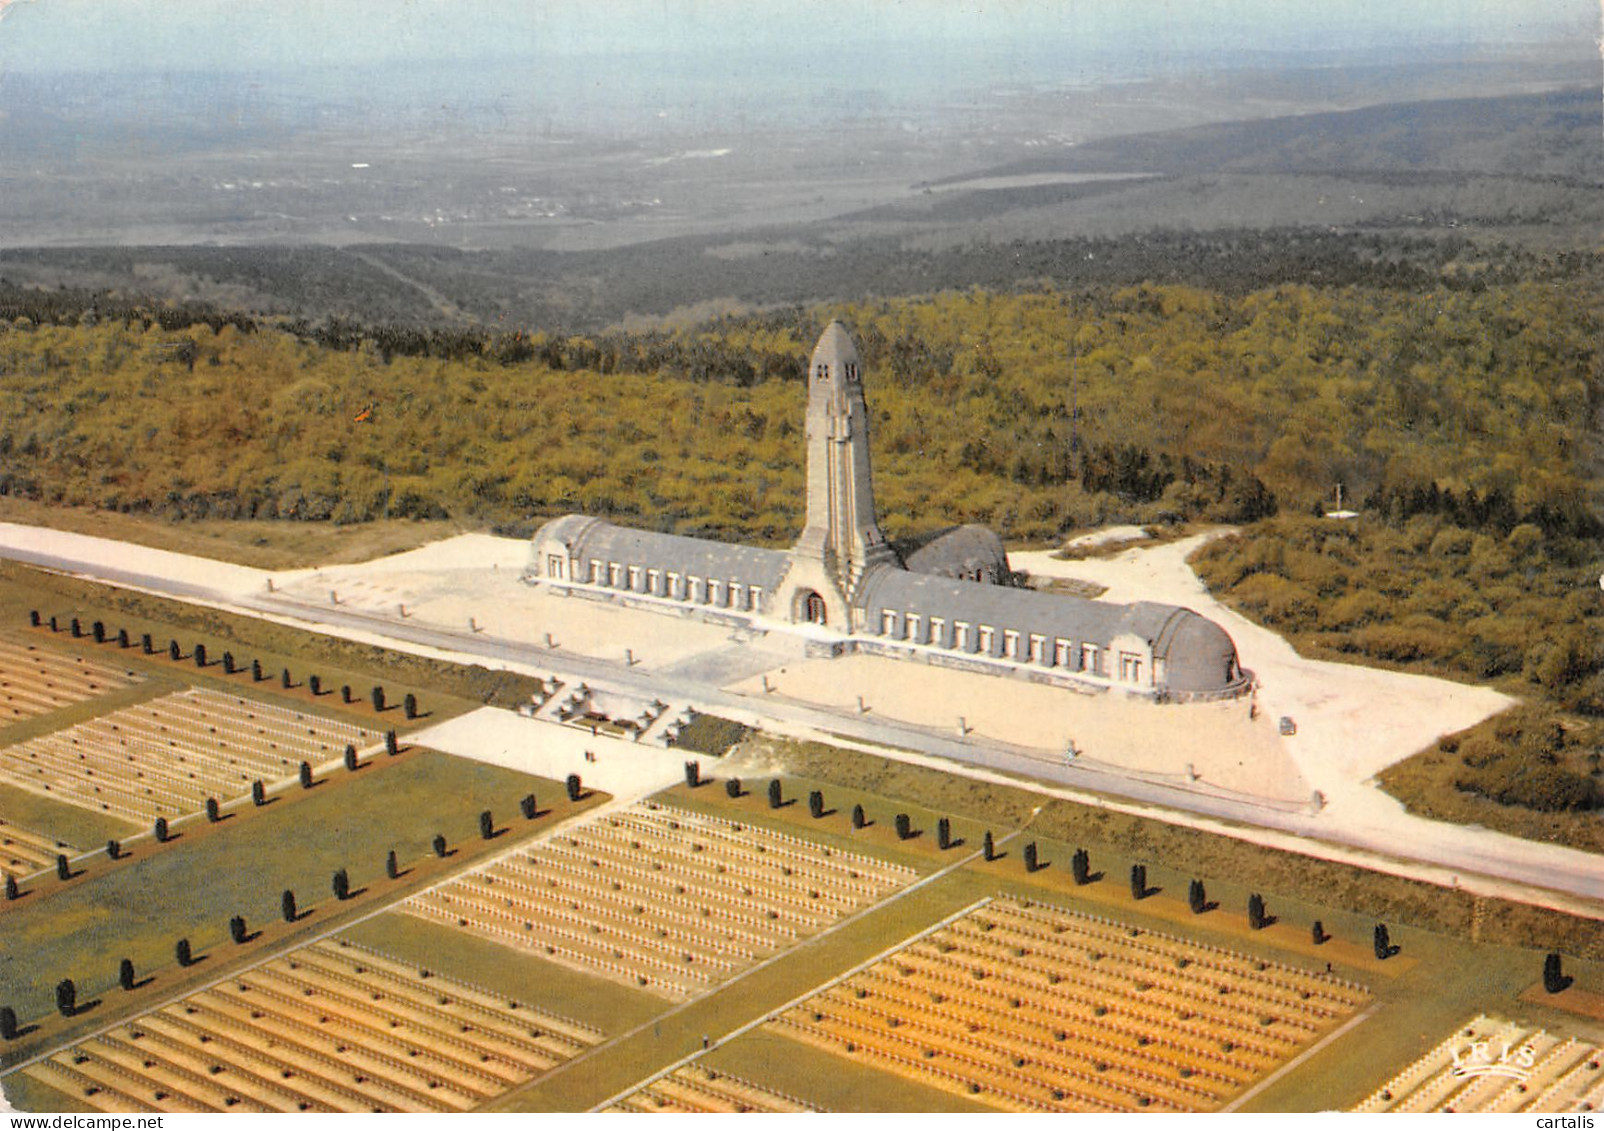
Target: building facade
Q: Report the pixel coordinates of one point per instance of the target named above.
(844, 586)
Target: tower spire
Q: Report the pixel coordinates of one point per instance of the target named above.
(842, 532)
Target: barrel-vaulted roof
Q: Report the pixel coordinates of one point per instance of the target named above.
(592, 538)
(1199, 655)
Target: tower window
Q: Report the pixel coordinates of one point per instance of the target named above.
(821, 372)
(852, 371)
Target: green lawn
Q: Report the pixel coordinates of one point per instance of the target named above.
(192, 887)
(606, 1005)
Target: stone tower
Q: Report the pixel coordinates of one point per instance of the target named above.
(842, 540)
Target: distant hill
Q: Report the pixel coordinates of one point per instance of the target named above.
(1555, 134)
(1400, 195)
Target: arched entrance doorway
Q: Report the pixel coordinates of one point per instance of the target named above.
(809, 607)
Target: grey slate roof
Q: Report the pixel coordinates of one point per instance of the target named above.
(959, 550)
(589, 538)
(1199, 654)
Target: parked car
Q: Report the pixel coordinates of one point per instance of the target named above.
(1288, 726)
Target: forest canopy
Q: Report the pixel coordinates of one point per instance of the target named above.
(1034, 411)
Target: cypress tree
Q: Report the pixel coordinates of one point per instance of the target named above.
(174, 652)
(1382, 941)
(200, 655)
(859, 820)
(182, 952)
(487, 825)
(306, 775)
(776, 797)
(98, 630)
(160, 829)
(63, 866)
(341, 885)
(345, 694)
(1555, 980)
(8, 1023)
(943, 834)
(284, 679)
(732, 788)
(114, 849)
(988, 847)
(256, 671)
(1080, 866)
(11, 888)
(287, 906)
(258, 793)
(693, 774)
(1317, 933)
(54, 627)
(66, 997)
(33, 618)
(146, 644)
(391, 746)
(125, 974)
(392, 866)
(1138, 881)
(409, 706)
(1030, 856)
(1196, 898)
(378, 698)
(440, 845)
(228, 663)
(122, 638)
(214, 812)
(904, 826)
(236, 929)
(77, 629)
(576, 788)
(1256, 911)
(350, 757)
(527, 807)
(816, 804)
(314, 684)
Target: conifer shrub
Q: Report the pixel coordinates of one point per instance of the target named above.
(66, 997)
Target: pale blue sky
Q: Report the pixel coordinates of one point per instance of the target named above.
(270, 34)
